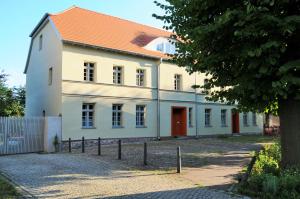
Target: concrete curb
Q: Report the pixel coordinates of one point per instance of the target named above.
(20, 189)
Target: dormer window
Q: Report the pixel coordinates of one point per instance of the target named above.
(166, 47)
(162, 44)
(160, 47)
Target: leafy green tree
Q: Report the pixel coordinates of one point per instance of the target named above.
(12, 100)
(249, 47)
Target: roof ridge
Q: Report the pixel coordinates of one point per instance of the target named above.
(121, 19)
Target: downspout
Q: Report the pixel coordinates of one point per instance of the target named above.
(158, 98)
(196, 106)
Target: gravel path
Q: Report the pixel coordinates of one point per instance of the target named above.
(83, 176)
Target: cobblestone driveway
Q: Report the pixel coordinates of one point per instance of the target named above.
(82, 176)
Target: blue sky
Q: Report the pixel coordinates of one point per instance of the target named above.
(19, 17)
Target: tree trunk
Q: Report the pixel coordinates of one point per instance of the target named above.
(289, 113)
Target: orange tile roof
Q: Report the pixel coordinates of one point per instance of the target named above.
(91, 28)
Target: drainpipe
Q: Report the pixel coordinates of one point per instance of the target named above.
(196, 107)
(158, 98)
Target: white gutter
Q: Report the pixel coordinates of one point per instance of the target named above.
(158, 99)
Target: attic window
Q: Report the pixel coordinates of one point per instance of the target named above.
(40, 42)
(160, 47)
(166, 47)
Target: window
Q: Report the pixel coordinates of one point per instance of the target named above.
(207, 117)
(88, 72)
(245, 119)
(50, 73)
(224, 117)
(190, 116)
(40, 42)
(140, 77)
(117, 75)
(205, 89)
(87, 115)
(177, 82)
(160, 47)
(254, 121)
(117, 115)
(140, 115)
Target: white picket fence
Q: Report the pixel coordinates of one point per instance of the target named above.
(21, 135)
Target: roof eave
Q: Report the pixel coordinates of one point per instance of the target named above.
(39, 24)
(112, 50)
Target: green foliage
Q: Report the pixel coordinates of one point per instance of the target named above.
(249, 47)
(267, 160)
(12, 100)
(268, 181)
(7, 190)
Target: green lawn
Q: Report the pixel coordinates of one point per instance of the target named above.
(7, 190)
(250, 139)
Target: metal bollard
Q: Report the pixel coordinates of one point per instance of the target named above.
(178, 160)
(70, 146)
(82, 144)
(120, 150)
(99, 146)
(145, 153)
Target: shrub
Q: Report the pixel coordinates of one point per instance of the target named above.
(267, 180)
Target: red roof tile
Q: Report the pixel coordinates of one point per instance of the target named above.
(88, 27)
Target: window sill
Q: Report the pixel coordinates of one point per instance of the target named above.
(88, 127)
(224, 126)
(246, 125)
(141, 127)
(208, 126)
(118, 127)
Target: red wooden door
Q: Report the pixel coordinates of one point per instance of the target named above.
(235, 122)
(178, 121)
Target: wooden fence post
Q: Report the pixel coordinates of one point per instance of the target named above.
(120, 150)
(145, 153)
(82, 144)
(70, 146)
(178, 160)
(99, 146)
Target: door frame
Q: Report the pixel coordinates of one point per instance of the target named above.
(183, 118)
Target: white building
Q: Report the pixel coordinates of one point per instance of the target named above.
(109, 78)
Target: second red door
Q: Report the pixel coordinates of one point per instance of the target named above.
(178, 121)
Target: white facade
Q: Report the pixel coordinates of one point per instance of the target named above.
(68, 92)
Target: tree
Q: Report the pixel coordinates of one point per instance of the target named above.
(249, 47)
(12, 100)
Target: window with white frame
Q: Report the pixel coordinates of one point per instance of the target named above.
(223, 117)
(140, 77)
(254, 121)
(245, 119)
(40, 42)
(177, 82)
(190, 117)
(160, 47)
(87, 115)
(117, 75)
(140, 115)
(88, 71)
(207, 117)
(50, 74)
(117, 115)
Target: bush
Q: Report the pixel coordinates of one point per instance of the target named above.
(267, 180)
